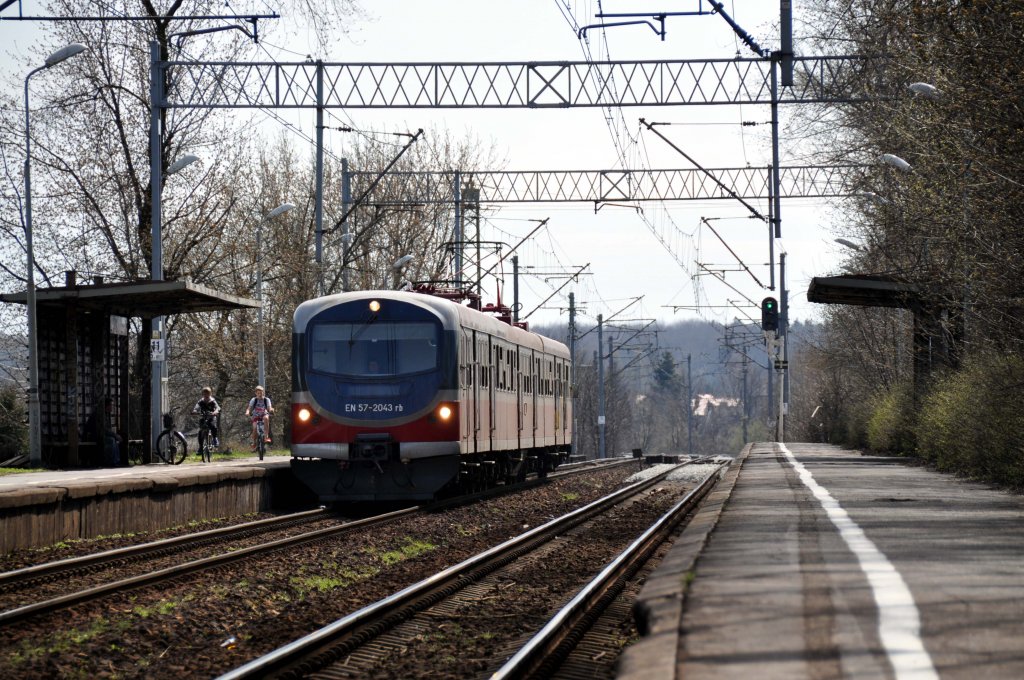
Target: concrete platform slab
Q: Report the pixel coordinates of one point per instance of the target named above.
(826, 564)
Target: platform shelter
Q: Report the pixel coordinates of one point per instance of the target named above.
(83, 356)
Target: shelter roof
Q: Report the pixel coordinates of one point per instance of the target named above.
(137, 298)
(863, 290)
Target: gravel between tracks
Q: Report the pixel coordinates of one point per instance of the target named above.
(209, 623)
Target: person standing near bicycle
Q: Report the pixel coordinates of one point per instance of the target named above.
(207, 407)
(259, 409)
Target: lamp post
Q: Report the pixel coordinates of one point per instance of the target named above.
(35, 439)
(260, 367)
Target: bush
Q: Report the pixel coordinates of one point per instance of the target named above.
(971, 422)
(13, 429)
(890, 425)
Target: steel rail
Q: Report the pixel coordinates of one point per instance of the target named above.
(545, 650)
(299, 656)
(8, 579)
(176, 571)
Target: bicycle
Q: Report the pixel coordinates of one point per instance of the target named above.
(205, 437)
(261, 439)
(171, 446)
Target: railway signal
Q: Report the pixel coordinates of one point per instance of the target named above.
(769, 314)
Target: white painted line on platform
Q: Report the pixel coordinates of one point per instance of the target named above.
(899, 623)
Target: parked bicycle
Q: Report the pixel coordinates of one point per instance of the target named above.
(171, 446)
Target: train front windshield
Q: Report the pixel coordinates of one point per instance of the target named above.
(374, 349)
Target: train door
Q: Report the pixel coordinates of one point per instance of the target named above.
(466, 391)
(492, 351)
(537, 387)
(557, 381)
(476, 371)
(519, 397)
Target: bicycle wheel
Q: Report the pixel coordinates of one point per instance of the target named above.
(204, 445)
(171, 447)
(261, 440)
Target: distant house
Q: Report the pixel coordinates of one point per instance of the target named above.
(704, 404)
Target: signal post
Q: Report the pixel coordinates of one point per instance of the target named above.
(775, 344)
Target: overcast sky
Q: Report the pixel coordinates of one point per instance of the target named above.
(625, 257)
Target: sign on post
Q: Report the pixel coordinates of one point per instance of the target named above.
(156, 350)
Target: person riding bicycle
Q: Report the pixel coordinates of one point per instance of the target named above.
(208, 408)
(260, 408)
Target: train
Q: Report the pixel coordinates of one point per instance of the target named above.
(409, 396)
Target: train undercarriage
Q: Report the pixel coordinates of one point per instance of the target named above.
(381, 475)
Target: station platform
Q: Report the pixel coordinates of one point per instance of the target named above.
(811, 561)
(43, 508)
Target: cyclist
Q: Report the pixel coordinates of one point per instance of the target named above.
(208, 407)
(260, 408)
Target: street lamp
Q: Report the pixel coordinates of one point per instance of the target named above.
(926, 90)
(896, 162)
(35, 440)
(849, 244)
(397, 266)
(279, 210)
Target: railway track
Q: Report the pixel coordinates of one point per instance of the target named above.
(365, 642)
(14, 584)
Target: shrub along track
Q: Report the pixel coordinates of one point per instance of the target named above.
(215, 620)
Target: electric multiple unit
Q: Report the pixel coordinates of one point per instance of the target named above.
(407, 396)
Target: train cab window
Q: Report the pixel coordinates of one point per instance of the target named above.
(374, 350)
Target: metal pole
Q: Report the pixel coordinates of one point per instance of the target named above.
(319, 207)
(776, 169)
(608, 432)
(261, 377)
(746, 408)
(35, 438)
(689, 405)
(600, 388)
(784, 329)
(515, 292)
(572, 368)
(458, 227)
(786, 41)
(346, 201)
(780, 437)
(156, 266)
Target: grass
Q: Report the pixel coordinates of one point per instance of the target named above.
(18, 470)
(410, 549)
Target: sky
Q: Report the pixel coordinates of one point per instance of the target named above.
(625, 258)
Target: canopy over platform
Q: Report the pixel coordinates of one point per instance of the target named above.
(863, 290)
(146, 299)
(83, 355)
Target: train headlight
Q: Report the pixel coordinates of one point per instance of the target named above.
(374, 306)
(305, 415)
(445, 412)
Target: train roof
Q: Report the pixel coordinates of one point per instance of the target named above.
(452, 314)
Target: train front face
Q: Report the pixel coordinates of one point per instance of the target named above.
(374, 397)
